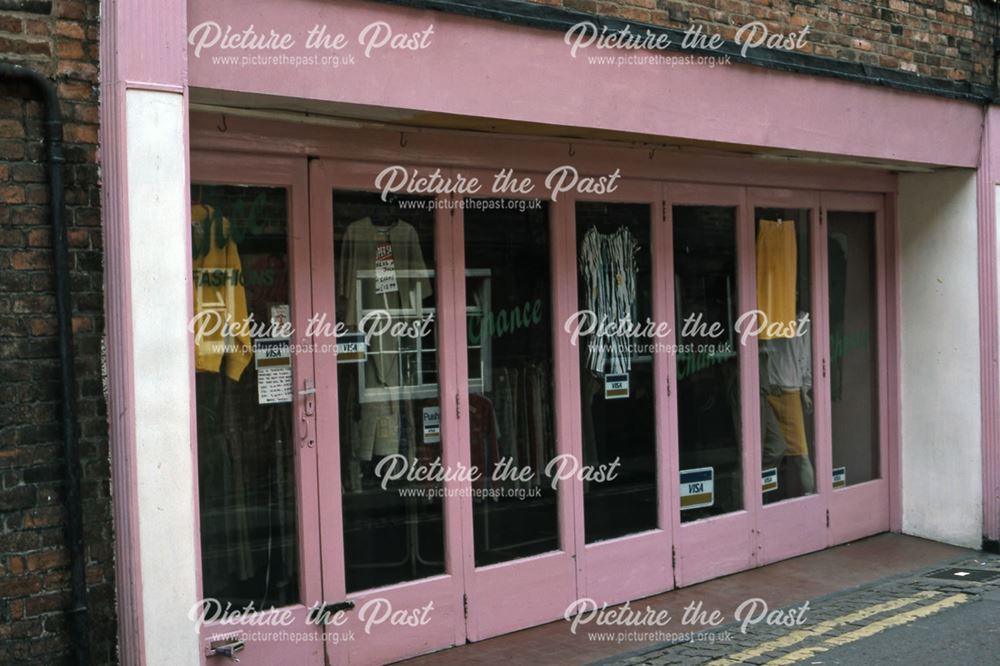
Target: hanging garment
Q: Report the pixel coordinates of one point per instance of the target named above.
(391, 255)
(537, 429)
(284, 475)
(609, 267)
(222, 481)
(387, 252)
(503, 403)
(776, 265)
(219, 296)
(772, 439)
(787, 407)
(788, 363)
(484, 452)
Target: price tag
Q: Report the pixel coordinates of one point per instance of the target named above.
(385, 268)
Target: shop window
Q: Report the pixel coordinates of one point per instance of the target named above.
(511, 408)
(388, 388)
(784, 345)
(617, 398)
(247, 498)
(854, 395)
(708, 395)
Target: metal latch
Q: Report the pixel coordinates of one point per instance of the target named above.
(326, 612)
(308, 409)
(226, 647)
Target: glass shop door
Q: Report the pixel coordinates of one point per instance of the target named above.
(624, 528)
(792, 457)
(386, 417)
(256, 463)
(517, 529)
(857, 377)
(710, 376)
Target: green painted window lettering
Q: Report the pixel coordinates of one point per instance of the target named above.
(689, 363)
(500, 322)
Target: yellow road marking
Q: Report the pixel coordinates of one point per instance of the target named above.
(821, 628)
(870, 630)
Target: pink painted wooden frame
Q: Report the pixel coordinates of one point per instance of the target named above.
(471, 150)
(987, 188)
(797, 525)
(864, 509)
(290, 174)
(446, 626)
(704, 549)
(601, 575)
(723, 544)
(542, 82)
(529, 591)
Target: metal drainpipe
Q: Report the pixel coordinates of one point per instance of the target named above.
(77, 613)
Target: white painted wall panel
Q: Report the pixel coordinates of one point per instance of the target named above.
(158, 225)
(941, 438)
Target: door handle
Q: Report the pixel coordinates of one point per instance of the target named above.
(306, 438)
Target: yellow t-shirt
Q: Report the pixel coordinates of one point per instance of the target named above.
(219, 297)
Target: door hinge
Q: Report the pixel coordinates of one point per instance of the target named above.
(827, 517)
(458, 406)
(663, 210)
(465, 606)
(673, 557)
(668, 387)
(824, 368)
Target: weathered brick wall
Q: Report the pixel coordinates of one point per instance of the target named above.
(941, 39)
(58, 38)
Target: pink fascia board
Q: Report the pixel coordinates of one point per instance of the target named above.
(482, 68)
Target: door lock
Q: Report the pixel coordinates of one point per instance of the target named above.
(309, 401)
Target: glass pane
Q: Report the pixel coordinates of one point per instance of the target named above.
(388, 389)
(509, 328)
(853, 352)
(616, 371)
(249, 544)
(785, 354)
(708, 395)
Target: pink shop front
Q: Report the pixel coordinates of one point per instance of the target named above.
(524, 337)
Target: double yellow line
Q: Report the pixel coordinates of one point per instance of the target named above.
(825, 627)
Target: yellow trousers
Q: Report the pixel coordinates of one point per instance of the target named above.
(787, 408)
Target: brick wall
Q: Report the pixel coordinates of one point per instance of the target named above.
(941, 39)
(58, 38)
